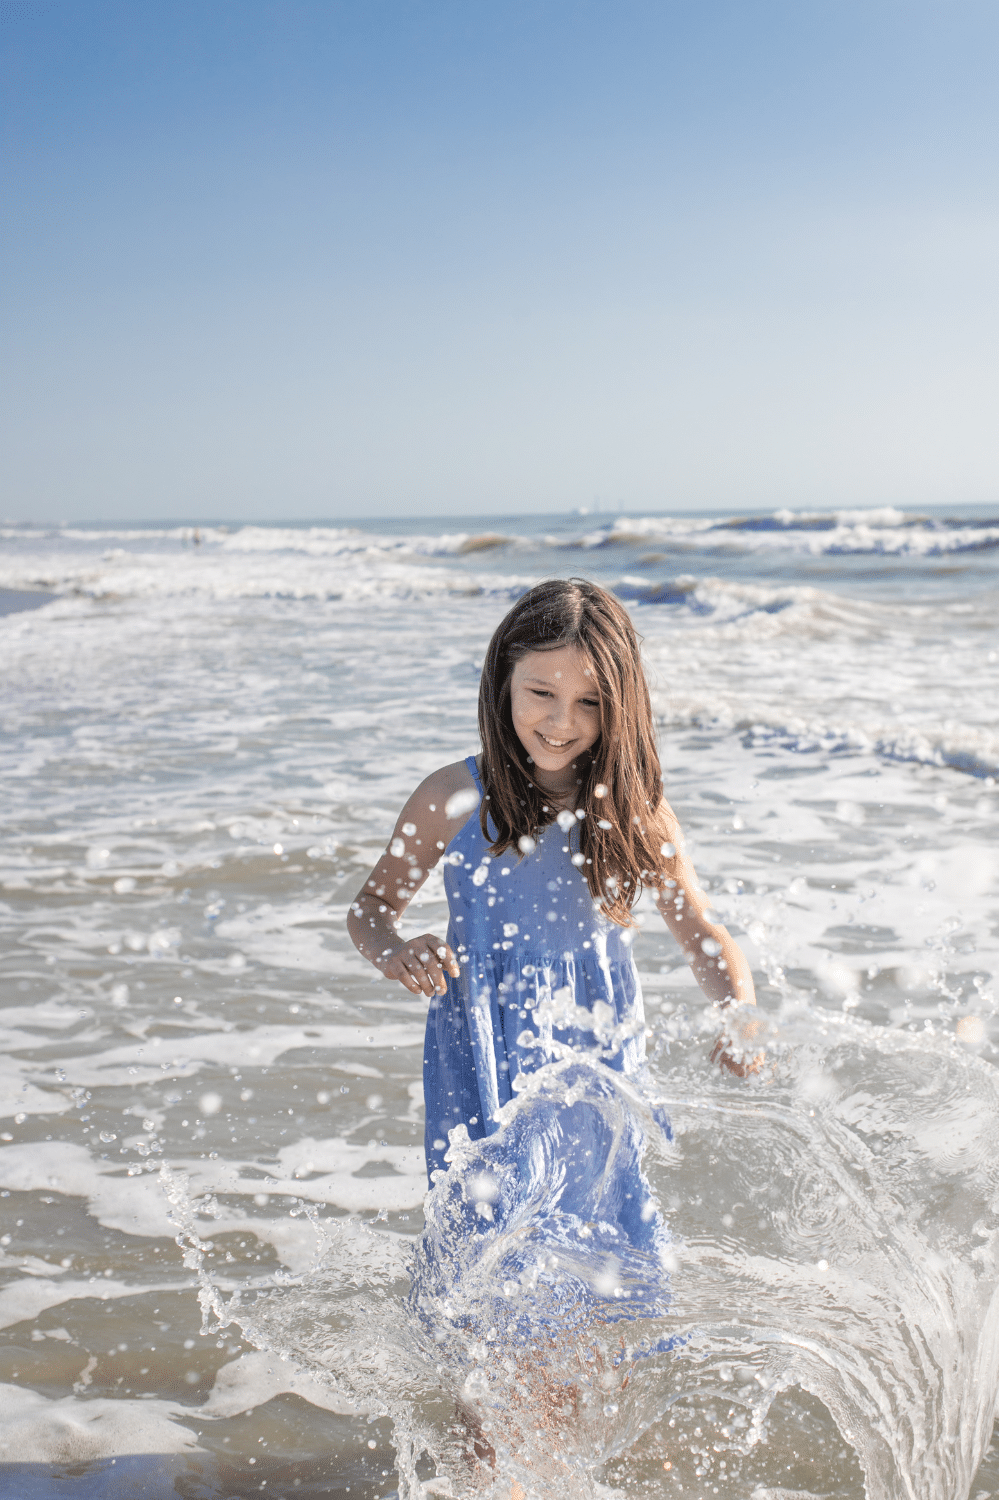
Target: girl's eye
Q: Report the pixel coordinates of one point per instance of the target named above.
(544, 693)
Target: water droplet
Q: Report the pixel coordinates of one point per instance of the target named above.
(970, 1030)
(461, 803)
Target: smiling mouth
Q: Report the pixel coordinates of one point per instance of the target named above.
(555, 744)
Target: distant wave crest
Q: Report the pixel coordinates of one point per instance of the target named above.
(881, 532)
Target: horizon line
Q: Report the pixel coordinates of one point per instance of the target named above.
(582, 513)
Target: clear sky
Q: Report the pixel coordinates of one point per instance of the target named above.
(306, 258)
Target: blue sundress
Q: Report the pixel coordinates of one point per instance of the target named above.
(530, 940)
(544, 978)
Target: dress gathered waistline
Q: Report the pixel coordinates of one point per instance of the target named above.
(541, 960)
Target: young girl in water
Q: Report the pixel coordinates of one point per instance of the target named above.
(549, 837)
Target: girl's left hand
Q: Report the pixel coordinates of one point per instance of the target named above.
(733, 1048)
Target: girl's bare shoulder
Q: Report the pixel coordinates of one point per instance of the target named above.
(442, 801)
(455, 777)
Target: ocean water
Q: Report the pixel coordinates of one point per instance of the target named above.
(221, 1276)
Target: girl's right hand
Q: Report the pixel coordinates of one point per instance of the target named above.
(420, 965)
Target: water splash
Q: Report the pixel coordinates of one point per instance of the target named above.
(826, 1229)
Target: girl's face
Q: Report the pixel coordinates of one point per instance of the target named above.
(555, 706)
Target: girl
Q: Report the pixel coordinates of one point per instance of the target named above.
(549, 837)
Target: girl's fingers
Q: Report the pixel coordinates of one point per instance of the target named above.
(425, 970)
(442, 960)
(419, 977)
(434, 957)
(431, 966)
(420, 966)
(429, 974)
(397, 969)
(741, 1066)
(412, 982)
(448, 960)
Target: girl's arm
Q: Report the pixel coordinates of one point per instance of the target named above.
(420, 837)
(716, 959)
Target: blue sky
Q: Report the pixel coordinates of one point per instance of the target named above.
(287, 259)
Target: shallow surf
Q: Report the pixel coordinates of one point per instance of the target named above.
(205, 745)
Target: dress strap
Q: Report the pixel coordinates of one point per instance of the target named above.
(470, 761)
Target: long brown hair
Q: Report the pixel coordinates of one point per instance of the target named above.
(621, 785)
